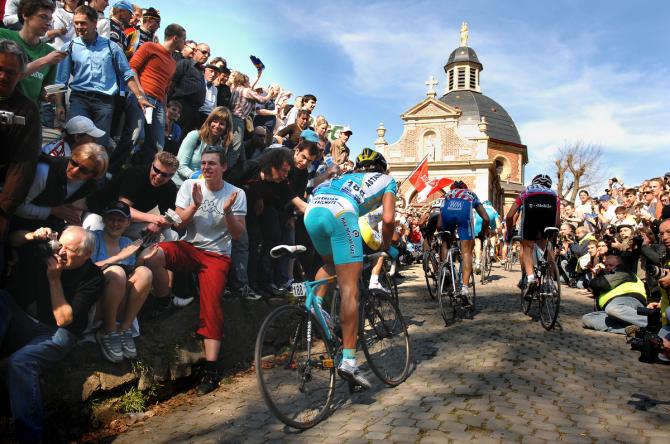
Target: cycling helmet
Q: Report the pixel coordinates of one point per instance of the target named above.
(371, 160)
(458, 185)
(542, 180)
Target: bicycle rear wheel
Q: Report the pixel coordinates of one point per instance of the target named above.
(473, 294)
(549, 297)
(486, 260)
(389, 282)
(383, 337)
(446, 299)
(486, 269)
(295, 367)
(430, 273)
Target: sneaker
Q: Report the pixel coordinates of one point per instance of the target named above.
(522, 283)
(353, 375)
(209, 382)
(110, 344)
(326, 317)
(246, 292)
(464, 295)
(478, 267)
(128, 344)
(378, 286)
(181, 302)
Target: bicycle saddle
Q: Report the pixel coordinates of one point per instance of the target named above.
(283, 250)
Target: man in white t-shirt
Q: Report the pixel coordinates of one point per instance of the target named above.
(213, 213)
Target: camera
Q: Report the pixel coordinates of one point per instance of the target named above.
(654, 271)
(9, 118)
(47, 247)
(149, 238)
(646, 339)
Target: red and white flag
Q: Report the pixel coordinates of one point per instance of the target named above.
(433, 186)
(419, 178)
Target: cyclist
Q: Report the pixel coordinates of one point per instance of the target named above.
(539, 208)
(331, 220)
(428, 222)
(494, 225)
(372, 238)
(457, 211)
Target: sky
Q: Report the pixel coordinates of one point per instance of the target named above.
(595, 72)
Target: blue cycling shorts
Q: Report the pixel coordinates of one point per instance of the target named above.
(461, 218)
(335, 234)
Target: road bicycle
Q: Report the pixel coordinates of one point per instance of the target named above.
(512, 253)
(487, 260)
(431, 266)
(547, 287)
(450, 278)
(298, 349)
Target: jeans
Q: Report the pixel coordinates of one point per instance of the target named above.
(236, 149)
(240, 257)
(33, 347)
(98, 108)
(619, 313)
(136, 130)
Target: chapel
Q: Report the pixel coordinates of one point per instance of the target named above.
(465, 134)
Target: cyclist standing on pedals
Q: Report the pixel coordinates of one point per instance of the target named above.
(457, 212)
(428, 222)
(539, 207)
(331, 220)
(480, 237)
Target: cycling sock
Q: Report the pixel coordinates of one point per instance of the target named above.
(349, 356)
(374, 279)
(393, 269)
(531, 277)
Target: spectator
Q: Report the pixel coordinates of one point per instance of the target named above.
(187, 51)
(20, 143)
(143, 188)
(215, 133)
(339, 147)
(289, 136)
(656, 188)
(59, 291)
(78, 131)
(211, 92)
(127, 285)
(255, 146)
(606, 210)
(584, 205)
(188, 86)
(212, 212)
(97, 68)
(308, 103)
(172, 128)
(242, 102)
(151, 21)
(58, 184)
(154, 67)
(266, 113)
(618, 294)
(620, 214)
(36, 19)
(103, 26)
(63, 24)
(122, 13)
(321, 129)
(629, 200)
(221, 82)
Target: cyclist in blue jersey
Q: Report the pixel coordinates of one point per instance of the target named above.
(495, 225)
(457, 213)
(331, 220)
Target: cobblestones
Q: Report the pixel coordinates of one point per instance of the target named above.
(497, 378)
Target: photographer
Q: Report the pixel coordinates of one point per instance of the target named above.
(627, 245)
(619, 293)
(41, 327)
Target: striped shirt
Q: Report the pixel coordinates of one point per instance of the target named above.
(243, 100)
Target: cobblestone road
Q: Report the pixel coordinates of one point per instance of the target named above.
(497, 378)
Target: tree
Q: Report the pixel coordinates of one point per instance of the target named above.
(578, 167)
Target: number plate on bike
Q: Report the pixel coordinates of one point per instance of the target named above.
(299, 290)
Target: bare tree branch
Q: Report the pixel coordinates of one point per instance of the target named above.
(578, 166)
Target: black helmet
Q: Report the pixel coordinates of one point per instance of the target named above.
(542, 180)
(371, 160)
(458, 185)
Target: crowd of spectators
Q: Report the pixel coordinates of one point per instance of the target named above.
(170, 170)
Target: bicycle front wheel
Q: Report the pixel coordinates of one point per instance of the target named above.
(485, 264)
(550, 297)
(383, 337)
(294, 367)
(430, 273)
(445, 296)
(389, 282)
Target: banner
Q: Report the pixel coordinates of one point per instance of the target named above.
(432, 187)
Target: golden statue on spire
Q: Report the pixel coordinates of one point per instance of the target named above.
(464, 34)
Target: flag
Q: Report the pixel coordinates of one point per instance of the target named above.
(432, 187)
(419, 178)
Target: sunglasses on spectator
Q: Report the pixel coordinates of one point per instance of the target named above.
(161, 173)
(82, 169)
(202, 51)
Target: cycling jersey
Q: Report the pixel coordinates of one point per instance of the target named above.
(493, 219)
(457, 212)
(331, 218)
(538, 206)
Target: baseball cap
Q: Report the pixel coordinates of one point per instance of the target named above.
(83, 125)
(151, 13)
(213, 67)
(309, 135)
(119, 207)
(627, 222)
(346, 129)
(123, 4)
(604, 197)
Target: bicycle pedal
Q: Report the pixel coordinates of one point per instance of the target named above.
(355, 388)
